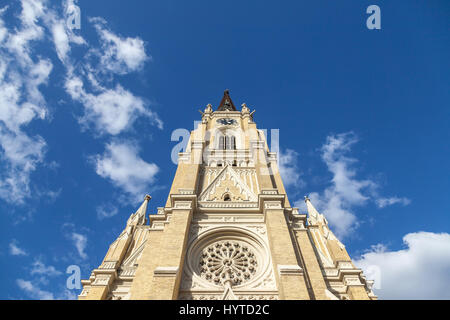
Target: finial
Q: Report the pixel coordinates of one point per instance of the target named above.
(227, 91)
(148, 197)
(307, 199)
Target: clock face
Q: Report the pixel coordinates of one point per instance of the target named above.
(227, 122)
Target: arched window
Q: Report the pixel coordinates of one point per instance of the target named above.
(227, 197)
(227, 143)
(232, 142)
(222, 143)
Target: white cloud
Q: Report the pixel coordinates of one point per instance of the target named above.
(80, 242)
(420, 271)
(289, 171)
(346, 192)
(21, 101)
(111, 111)
(60, 39)
(122, 165)
(34, 291)
(384, 202)
(119, 55)
(106, 211)
(15, 250)
(18, 43)
(39, 268)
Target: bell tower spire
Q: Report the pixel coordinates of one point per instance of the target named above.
(226, 104)
(227, 230)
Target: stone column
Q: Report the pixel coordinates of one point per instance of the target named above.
(140, 288)
(290, 277)
(167, 275)
(308, 255)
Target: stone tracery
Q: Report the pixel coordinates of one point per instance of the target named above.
(225, 261)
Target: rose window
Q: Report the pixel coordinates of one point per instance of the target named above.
(228, 261)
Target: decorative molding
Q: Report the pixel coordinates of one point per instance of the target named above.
(197, 144)
(272, 205)
(182, 205)
(298, 225)
(345, 265)
(108, 265)
(166, 271)
(219, 296)
(228, 204)
(289, 270)
(184, 157)
(221, 217)
(352, 281)
(102, 280)
(186, 191)
(269, 191)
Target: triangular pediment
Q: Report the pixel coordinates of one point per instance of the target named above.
(228, 186)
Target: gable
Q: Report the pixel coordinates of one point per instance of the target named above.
(228, 184)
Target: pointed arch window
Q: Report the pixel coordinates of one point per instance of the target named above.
(227, 142)
(232, 142)
(222, 142)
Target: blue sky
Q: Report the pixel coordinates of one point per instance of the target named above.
(86, 118)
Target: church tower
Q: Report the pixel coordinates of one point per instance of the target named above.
(227, 230)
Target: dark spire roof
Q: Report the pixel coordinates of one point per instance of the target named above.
(226, 104)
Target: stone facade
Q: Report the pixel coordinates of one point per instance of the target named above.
(227, 230)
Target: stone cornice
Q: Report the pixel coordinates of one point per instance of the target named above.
(183, 201)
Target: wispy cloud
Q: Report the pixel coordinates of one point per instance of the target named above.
(39, 268)
(106, 211)
(40, 275)
(22, 73)
(111, 111)
(15, 250)
(34, 291)
(109, 108)
(80, 242)
(346, 192)
(118, 54)
(421, 271)
(123, 166)
(385, 202)
(289, 169)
